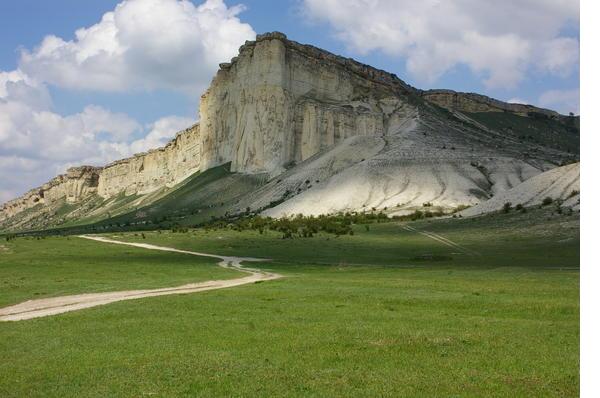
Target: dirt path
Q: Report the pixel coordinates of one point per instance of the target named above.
(58, 305)
(443, 240)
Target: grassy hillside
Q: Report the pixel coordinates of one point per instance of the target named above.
(506, 239)
(204, 195)
(536, 129)
(385, 312)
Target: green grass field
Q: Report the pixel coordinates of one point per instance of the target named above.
(32, 269)
(386, 312)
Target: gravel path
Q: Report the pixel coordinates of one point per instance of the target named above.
(58, 305)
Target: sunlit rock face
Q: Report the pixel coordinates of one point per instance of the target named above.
(276, 104)
(280, 102)
(560, 184)
(76, 184)
(147, 172)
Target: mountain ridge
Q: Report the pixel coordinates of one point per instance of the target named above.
(279, 103)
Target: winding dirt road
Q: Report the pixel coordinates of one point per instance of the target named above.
(58, 305)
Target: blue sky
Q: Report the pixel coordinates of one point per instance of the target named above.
(125, 96)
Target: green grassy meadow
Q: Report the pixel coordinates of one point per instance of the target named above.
(386, 312)
(33, 269)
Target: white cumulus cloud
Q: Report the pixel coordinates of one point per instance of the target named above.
(161, 132)
(31, 129)
(499, 40)
(143, 44)
(36, 143)
(140, 45)
(517, 100)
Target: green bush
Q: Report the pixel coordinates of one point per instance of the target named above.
(547, 201)
(300, 226)
(179, 229)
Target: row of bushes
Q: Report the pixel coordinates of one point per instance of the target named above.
(307, 226)
(301, 225)
(507, 207)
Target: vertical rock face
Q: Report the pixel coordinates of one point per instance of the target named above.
(275, 104)
(155, 169)
(77, 183)
(280, 102)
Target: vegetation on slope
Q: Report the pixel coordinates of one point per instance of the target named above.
(536, 128)
(199, 198)
(202, 197)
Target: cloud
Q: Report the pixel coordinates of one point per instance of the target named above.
(140, 45)
(16, 172)
(19, 87)
(500, 41)
(517, 100)
(161, 132)
(31, 129)
(563, 101)
(143, 44)
(36, 143)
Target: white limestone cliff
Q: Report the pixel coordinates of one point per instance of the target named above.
(280, 103)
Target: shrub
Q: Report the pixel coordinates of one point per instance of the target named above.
(507, 206)
(180, 229)
(519, 207)
(300, 226)
(547, 201)
(417, 215)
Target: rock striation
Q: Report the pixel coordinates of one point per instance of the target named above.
(277, 103)
(475, 103)
(146, 172)
(295, 112)
(280, 102)
(76, 184)
(560, 184)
